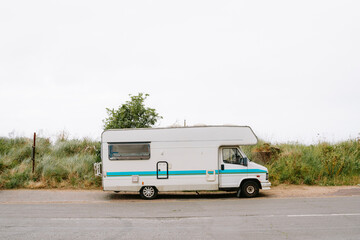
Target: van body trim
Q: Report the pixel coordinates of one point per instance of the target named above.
(184, 172)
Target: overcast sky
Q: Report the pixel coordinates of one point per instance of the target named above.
(288, 69)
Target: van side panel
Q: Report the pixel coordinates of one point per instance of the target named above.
(190, 167)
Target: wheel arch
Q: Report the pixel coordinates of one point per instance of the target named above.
(250, 179)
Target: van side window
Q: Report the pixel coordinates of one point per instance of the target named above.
(129, 151)
(232, 156)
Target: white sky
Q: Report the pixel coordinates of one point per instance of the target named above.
(288, 69)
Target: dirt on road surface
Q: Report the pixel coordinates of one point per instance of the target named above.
(289, 191)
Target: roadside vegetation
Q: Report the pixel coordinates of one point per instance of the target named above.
(63, 164)
(69, 163)
(320, 164)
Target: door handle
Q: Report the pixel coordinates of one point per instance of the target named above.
(222, 167)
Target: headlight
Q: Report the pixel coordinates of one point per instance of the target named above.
(267, 176)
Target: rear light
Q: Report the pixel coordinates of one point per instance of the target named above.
(267, 176)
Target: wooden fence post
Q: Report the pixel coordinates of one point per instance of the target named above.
(33, 154)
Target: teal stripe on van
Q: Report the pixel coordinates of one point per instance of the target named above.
(184, 172)
(188, 172)
(242, 171)
(125, 174)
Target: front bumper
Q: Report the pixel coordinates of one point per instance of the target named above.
(265, 185)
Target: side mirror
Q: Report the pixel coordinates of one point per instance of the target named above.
(245, 162)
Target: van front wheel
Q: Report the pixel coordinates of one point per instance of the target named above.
(250, 189)
(148, 192)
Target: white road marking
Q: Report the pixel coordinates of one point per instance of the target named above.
(325, 215)
(129, 218)
(178, 218)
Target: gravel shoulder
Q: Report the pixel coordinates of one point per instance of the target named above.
(293, 191)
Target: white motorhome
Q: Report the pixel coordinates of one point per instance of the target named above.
(156, 160)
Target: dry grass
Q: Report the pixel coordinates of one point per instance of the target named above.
(64, 164)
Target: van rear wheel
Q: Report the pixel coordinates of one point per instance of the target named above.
(148, 192)
(250, 189)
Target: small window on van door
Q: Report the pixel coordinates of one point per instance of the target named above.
(129, 151)
(231, 155)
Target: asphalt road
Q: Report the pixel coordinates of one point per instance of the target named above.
(92, 215)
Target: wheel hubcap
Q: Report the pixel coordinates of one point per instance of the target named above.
(250, 189)
(148, 192)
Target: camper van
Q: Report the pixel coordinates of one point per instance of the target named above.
(154, 160)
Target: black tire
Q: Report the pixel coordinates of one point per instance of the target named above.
(148, 192)
(250, 189)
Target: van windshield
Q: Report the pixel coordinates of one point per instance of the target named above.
(243, 154)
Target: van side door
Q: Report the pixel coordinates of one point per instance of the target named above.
(232, 167)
